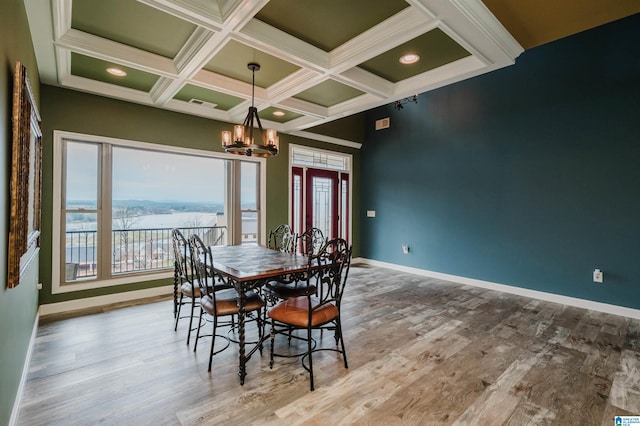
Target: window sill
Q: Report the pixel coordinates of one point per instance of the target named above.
(59, 288)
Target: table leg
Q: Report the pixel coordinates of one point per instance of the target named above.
(243, 359)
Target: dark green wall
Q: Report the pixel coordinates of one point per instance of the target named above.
(73, 111)
(18, 306)
(526, 176)
(351, 128)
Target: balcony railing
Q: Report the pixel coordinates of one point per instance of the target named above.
(133, 250)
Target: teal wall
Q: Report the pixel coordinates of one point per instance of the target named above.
(19, 305)
(527, 176)
(73, 111)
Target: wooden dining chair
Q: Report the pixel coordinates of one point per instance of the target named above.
(218, 299)
(327, 271)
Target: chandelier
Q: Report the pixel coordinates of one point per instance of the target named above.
(242, 142)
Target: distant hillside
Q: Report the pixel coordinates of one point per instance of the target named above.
(164, 207)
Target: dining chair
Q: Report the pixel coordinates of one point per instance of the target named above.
(183, 278)
(310, 241)
(219, 300)
(327, 271)
(307, 243)
(281, 238)
(290, 285)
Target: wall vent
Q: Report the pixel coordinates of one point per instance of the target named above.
(383, 123)
(202, 103)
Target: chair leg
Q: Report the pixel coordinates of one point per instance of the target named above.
(213, 340)
(339, 335)
(193, 306)
(195, 346)
(175, 289)
(261, 324)
(178, 312)
(310, 352)
(273, 337)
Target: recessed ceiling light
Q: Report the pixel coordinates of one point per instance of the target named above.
(116, 71)
(410, 58)
(278, 113)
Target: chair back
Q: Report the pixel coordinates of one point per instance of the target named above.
(281, 239)
(182, 255)
(310, 241)
(202, 265)
(330, 280)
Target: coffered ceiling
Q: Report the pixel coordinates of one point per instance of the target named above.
(320, 60)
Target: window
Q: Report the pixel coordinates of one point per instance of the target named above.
(118, 201)
(249, 201)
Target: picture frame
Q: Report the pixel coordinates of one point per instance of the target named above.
(26, 179)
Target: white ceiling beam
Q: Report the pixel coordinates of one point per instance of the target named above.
(293, 84)
(303, 107)
(197, 14)
(400, 28)
(282, 45)
(106, 89)
(366, 81)
(438, 77)
(39, 14)
(107, 50)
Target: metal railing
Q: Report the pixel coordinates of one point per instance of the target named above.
(133, 250)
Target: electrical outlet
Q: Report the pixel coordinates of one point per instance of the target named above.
(405, 248)
(598, 276)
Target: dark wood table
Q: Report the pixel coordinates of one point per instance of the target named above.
(248, 267)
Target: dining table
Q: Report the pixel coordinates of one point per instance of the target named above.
(248, 267)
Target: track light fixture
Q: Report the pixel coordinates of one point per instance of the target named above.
(399, 104)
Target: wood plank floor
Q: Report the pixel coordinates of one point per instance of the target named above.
(420, 351)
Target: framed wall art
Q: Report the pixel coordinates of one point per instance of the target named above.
(25, 180)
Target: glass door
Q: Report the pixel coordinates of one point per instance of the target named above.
(320, 192)
(322, 201)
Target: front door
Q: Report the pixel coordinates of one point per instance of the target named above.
(320, 199)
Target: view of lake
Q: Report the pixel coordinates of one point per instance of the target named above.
(172, 220)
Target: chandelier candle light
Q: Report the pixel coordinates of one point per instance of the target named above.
(242, 141)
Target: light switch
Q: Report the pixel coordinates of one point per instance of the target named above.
(371, 213)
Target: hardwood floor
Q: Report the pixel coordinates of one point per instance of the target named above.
(420, 351)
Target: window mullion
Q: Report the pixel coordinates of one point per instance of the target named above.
(236, 208)
(105, 233)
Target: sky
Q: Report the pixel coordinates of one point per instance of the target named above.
(152, 175)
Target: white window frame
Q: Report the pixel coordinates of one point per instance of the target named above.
(348, 169)
(235, 219)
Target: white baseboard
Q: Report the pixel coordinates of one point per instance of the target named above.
(107, 299)
(13, 420)
(549, 297)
